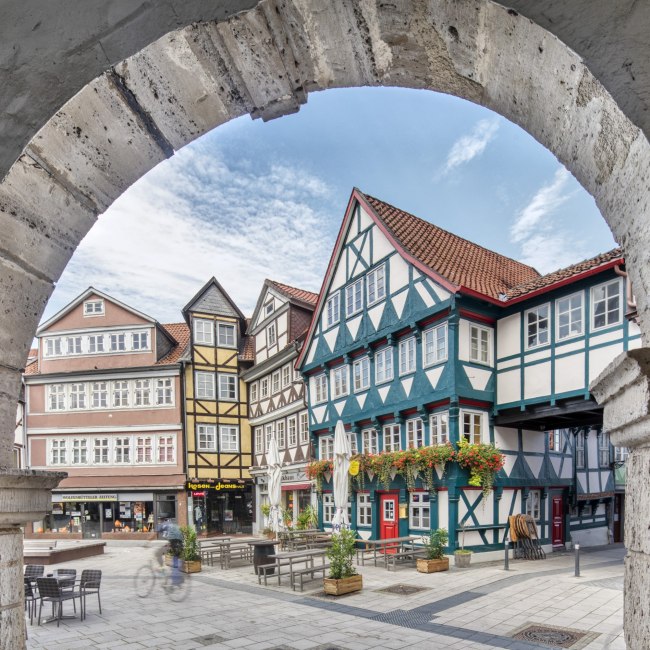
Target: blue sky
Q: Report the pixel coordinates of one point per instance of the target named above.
(252, 200)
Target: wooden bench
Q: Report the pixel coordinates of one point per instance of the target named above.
(266, 570)
(407, 555)
(238, 552)
(39, 544)
(308, 571)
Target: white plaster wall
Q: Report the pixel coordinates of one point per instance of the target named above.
(591, 536)
(599, 359)
(381, 247)
(463, 339)
(537, 380)
(607, 337)
(509, 386)
(509, 336)
(570, 373)
(533, 441)
(365, 220)
(506, 438)
(443, 509)
(399, 274)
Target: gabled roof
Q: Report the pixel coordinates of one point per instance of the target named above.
(212, 298)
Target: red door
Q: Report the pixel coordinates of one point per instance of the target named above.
(557, 533)
(388, 516)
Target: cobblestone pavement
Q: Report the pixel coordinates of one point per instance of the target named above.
(463, 609)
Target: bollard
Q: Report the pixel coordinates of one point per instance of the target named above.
(506, 560)
(577, 550)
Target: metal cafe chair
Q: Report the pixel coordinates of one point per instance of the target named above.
(90, 583)
(49, 590)
(33, 571)
(30, 600)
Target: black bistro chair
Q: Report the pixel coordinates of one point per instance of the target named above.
(33, 571)
(90, 582)
(50, 591)
(30, 599)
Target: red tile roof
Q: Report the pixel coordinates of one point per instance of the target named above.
(31, 368)
(247, 348)
(309, 297)
(180, 332)
(458, 260)
(546, 281)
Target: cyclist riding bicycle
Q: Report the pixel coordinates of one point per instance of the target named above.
(172, 533)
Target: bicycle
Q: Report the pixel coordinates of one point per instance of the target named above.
(173, 582)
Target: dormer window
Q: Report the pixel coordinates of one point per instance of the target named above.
(93, 308)
(268, 308)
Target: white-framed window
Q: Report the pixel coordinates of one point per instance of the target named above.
(569, 315)
(603, 449)
(369, 441)
(339, 381)
(53, 347)
(58, 451)
(206, 437)
(253, 391)
(79, 451)
(296, 376)
(259, 440)
(392, 437)
(226, 335)
(580, 450)
(120, 393)
(414, 433)
(101, 451)
(139, 340)
(269, 307)
(479, 344)
(227, 386)
(142, 392)
(361, 374)
(117, 342)
(164, 391)
(328, 508)
(275, 383)
(388, 510)
(268, 434)
(333, 309)
(419, 511)
(99, 394)
(228, 438)
(271, 335)
(606, 304)
(439, 427)
(122, 449)
(166, 449)
(434, 343)
(93, 307)
(78, 396)
(376, 284)
(95, 343)
(555, 440)
(533, 504)
(621, 454)
(384, 365)
(286, 376)
(407, 356)
(353, 298)
(143, 449)
(73, 344)
(354, 447)
(364, 510)
(537, 326)
(304, 427)
(56, 397)
(292, 426)
(204, 385)
(264, 388)
(203, 331)
(325, 447)
(281, 434)
(320, 388)
(472, 423)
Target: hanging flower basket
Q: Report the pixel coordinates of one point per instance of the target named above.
(483, 461)
(316, 471)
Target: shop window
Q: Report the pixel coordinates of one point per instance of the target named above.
(143, 449)
(364, 510)
(420, 510)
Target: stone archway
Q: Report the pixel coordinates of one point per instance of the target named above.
(264, 62)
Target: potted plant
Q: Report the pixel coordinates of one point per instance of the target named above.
(190, 556)
(435, 550)
(308, 518)
(462, 557)
(343, 578)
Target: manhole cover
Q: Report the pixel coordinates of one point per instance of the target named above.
(402, 590)
(554, 637)
(208, 639)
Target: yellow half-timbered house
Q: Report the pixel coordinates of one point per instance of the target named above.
(218, 434)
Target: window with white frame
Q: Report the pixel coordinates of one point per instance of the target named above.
(333, 309)
(268, 434)
(264, 388)
(101, 451)
(353, 298)
(203, 331)
(121, 393)
(164, 391)
(304, 427)
(328, 508)
(227, 386)
(392, 437)
(580, 450)
(275, 383)
(95, 343)
(73, 344)
(206, 437)
(414, 433)
(354, 447)
(364, 510)
(143, 449)
(621, 454)
(286, 376)
(569, 314)
(407, 356)
(320, 388)
(79, 451)
(292, 427)
(117, 342)
(226, 335)
(439, 427)
(606, 304)
(369, 441)
(434, 343)
(537, 326)
(228, 438)
(339, 381)
(361, 374)
(166, 448)
(99, 394)
(204, 385)
(56, 394)
(142, 392)
(271, 335)
(93, 307)
(325, 447)
(384, 365)
(122, 449)
(269, 307)
(140, 340)
(58, 451)
(376, 284)
(479, 344)
(419, 511)
(533, 504)
(78, 396)
(472, 423)
(555, 440)
(259, 440)
(53, 347)
(603, 449)
(253, 391)
(281, 434)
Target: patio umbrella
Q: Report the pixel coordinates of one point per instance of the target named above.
(342, 453)
(275, 485)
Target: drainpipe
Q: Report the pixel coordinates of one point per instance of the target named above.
(629, 296)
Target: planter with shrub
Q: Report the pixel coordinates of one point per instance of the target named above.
(435, 552)
(343, 578)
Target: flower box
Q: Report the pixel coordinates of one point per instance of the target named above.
(432, 566)
(335, 587)
(193, 566)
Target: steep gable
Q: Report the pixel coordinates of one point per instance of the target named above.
(212, 298)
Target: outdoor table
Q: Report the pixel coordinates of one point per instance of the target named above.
(64, 581)
(263, 549)
(384, 546)
(234, 544)
(297, 557)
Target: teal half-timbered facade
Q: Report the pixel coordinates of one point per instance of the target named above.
(417, 340)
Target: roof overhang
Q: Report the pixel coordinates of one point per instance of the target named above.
(574, 412)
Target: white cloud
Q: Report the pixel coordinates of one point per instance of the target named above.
(195, 216)
(468, 147)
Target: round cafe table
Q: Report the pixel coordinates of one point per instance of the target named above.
(262, 550)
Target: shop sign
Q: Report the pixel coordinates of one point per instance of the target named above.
(217, 485)
(86, 497)
(198, 494)
(354, 467)
(294, 476)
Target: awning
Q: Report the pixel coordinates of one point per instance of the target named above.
(286, 487)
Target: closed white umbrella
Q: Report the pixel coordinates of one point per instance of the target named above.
(342, 453)
(275, 485)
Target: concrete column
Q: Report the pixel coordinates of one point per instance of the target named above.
(624, 390)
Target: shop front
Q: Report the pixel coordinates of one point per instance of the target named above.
(221, 506)
(297, 495)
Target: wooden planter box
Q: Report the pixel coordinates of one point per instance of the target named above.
(335, 587)
(432, 566)
(185, 567)
(462, 560)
